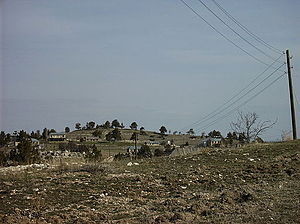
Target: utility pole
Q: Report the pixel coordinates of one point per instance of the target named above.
(135, 144)
(293, 114)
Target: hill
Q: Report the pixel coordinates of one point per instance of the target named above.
(112, 148)
(255, 184)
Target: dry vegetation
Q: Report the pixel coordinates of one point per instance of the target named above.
(254, 184)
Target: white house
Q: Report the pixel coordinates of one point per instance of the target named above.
(60, 136)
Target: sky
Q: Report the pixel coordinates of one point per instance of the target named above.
(154, 62)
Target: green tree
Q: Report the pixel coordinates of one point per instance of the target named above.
(242, 137)
(67, 129)
(78, 126)
(163, 130)
(94, 154)
(22, 135)
(229, 135)
(234, 136)
(106, 125)
(115, 124)
(26, 154)
(45, 133)
(133, 126)
(4, 138)
(36, 134)
(229, 138)
(142, 131)
(52, 131)
(114, 135)
(214, 134)
(3, 158)
(191, 131)
(90, 125)
(144, 152)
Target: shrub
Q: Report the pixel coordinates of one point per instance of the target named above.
(121, 156)
(144, 152)
(159, 152)
(94, 154)
(97, 133)
(25, 153)
(169, 149)
(3, 159)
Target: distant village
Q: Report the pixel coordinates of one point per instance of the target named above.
(111, 139)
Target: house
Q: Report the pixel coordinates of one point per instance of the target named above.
(153, 143)
(211, 142)
(60, 136)
(131, 149)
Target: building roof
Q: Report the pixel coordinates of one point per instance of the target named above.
(216, 139)
(133, 147)
(34, 140)
(58, 133)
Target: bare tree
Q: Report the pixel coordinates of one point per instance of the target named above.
(250, 125)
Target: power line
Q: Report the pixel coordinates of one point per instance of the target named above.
(236, 108)
(219, 32)
(249, 91)
(229, 100)
(274, 49)
(240, 36)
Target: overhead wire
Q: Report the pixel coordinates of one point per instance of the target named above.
(238, 107)
(257, 38)
(233, 97)
(239, 35)
(214, 114)
(241, 97)
(223, 35)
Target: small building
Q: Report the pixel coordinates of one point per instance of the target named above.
(211, 142)
(153, 143)
(131, 149)
(60, 136)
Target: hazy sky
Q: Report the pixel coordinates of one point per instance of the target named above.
(153, 62)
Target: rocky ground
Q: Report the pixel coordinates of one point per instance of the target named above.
(255, 184)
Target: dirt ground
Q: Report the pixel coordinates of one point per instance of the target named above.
(254, 184)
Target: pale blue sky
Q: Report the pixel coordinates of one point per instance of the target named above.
(154, 62)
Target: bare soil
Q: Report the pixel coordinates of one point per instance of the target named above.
(254, 184)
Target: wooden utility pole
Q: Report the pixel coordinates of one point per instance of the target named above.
(135, 144)
(293, 114)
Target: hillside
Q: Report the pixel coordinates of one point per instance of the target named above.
(142, 138)
(255, 184)
(112, 148)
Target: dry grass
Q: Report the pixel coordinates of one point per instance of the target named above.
(255, 184)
